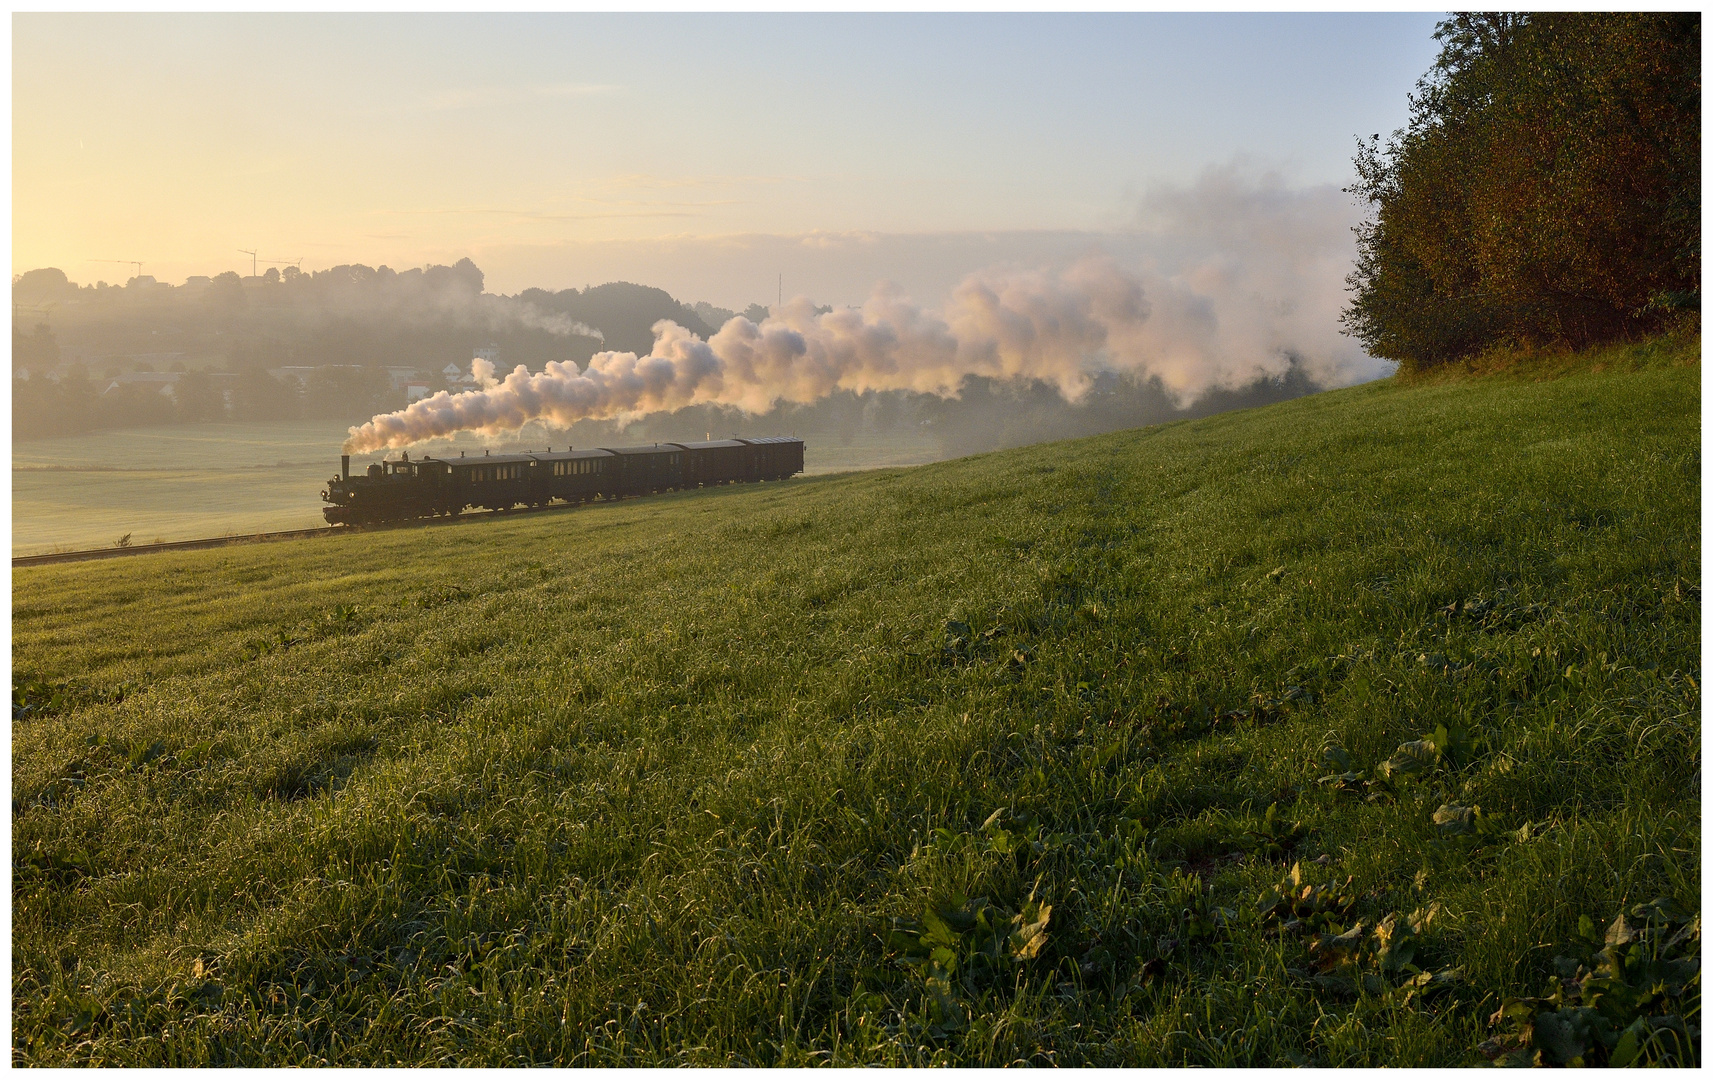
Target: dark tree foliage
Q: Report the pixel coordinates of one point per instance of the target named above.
(624, 313)
(1546, 191)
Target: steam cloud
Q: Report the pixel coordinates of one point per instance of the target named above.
(1243, 281)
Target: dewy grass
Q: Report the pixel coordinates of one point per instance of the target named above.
(1309, 734)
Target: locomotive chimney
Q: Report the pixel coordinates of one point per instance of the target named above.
(345, 466)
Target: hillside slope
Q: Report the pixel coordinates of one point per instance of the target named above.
(1004, 759)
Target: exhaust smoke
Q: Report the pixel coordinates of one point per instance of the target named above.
(1062, 328)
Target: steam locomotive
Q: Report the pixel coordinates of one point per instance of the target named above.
(431, 487)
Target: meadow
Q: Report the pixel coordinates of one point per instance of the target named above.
(190, 481)
(1336, 732)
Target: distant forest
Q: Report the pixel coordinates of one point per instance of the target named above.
(1546, 192)
(344, 344)
(227, 346)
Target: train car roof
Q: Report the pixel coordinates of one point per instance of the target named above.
(659, 448)
(772, 440)
(506, 459)
(717, 444)
(571, 455)
(479, 459)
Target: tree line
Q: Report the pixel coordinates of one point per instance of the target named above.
(76, 401)
(1545, 192)
(225, 334)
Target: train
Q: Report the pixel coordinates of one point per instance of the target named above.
(402, 489)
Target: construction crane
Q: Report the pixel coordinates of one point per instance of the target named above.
(252, 256)
(127, 262)
(297, 262)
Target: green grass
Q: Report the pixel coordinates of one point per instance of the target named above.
(996, 760)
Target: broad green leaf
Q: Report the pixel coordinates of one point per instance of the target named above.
(1411, 759)
(1030, 937)
(1620, 932)
(1453, 820)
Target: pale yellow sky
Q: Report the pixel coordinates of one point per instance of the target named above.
(556, 150)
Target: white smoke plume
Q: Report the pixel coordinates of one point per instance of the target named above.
(502, 312)
(1059, 328)
(1242, 279)
(1246, 271)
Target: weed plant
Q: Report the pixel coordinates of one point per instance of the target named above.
(1328, 733)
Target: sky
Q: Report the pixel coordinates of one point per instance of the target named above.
(706, 154)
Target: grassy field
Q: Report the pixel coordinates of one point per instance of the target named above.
(1304, 735)
(188, 481)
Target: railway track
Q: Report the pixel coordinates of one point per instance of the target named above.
(269, 537)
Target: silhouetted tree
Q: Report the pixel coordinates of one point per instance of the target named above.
(198, 398)
(35, 351)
